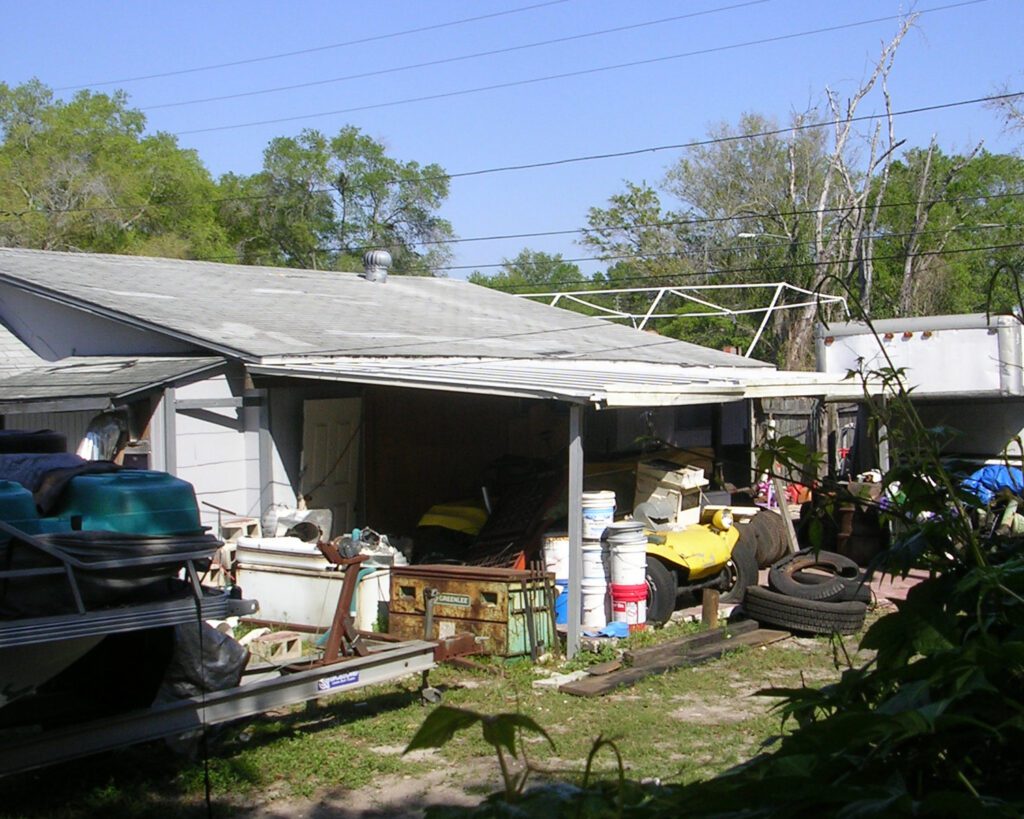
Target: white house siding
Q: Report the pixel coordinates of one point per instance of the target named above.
(216, 447)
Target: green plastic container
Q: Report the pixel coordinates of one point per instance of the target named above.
(18, 508)
(131, 501)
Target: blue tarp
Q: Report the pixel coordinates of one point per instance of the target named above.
(989, 480)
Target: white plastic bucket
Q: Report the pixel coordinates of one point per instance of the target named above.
(594, 603)
(372, 596)
(556, 554)
(598, 513)
(629, 604)
(595, 561)
(627, 553)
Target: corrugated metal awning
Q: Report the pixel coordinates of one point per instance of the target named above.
(604, 384)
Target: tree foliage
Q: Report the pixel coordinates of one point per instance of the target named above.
(321, 201)
(531, 271)
(83, 175)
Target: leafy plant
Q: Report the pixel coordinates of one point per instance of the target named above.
(499, 731)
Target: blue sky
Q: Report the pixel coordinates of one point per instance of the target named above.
(957, 53)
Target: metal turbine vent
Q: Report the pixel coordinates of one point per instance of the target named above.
(376, 264)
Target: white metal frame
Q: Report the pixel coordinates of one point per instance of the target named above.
(693, 294)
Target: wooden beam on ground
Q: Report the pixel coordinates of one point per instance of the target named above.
(724, 642)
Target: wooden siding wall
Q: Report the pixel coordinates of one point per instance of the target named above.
(216, 452)
(424, 447)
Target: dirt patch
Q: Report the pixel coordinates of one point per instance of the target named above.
(395, 797)
(720, 712)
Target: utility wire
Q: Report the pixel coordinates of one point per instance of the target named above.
(566, 161)
(660, 254)
(574, 231)
(448, 60)
(726, 249)
(315, 49)
(782, 267)
(570, 74)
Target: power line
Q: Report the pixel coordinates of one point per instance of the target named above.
(781, 267)
(570, 231)
(315, 49)
(671, 253)
(448, 60)
(700, 143)
(569, 74)
(569, 160)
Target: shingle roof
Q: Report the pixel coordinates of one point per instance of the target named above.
(260, 312)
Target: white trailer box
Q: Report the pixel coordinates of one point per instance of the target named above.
(966, 372)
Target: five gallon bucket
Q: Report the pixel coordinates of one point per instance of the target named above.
(629, 604)
(595, 561)
(627, 553)
(595, 594)
(598, 513)
(556, 555)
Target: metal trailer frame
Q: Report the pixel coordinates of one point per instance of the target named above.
(184, 716)
(366, 663)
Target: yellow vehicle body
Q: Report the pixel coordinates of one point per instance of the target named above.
(700, 549)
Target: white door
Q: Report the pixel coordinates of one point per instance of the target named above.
(331, 433)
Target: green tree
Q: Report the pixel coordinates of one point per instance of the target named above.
(83, 175)
(322, 201)
(531, 271)
(957, 202)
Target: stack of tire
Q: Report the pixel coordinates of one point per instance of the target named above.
(811, 593)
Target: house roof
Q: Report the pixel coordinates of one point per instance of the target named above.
(31, 383)
(96, 382)
(258, 312)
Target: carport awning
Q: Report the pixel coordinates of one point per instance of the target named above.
(95, 383)
(604, 384)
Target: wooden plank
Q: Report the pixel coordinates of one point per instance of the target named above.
(604, 668)
(598, 686)
(787, 518)
(675, 648)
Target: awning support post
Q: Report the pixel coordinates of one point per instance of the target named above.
(575, 607)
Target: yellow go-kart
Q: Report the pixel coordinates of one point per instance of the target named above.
(687, 559)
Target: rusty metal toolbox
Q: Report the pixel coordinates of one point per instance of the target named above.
(510, 610)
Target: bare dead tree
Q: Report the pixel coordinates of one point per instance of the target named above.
(841, 235)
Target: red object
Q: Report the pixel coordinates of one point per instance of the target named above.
(629, 594)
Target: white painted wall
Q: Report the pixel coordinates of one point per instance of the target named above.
(216, 449)
(54, 331)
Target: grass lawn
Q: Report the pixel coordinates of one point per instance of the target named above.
(676, 727)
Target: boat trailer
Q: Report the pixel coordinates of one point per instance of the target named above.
(350, 659)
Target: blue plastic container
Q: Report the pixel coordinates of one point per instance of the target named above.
(131, 501)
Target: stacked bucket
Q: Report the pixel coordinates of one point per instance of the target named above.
(598, 514)
(614, 566)
(627, 551)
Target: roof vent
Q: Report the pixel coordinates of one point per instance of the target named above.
(376, 264)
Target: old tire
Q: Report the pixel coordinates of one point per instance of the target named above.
(742, 572)
(662, 591)
(806, 616)
(773, 538)
(810, 576)
(858, 589)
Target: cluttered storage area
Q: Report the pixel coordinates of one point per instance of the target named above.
(459, 505)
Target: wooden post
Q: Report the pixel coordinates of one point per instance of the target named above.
(783, 501)
(709, 608)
